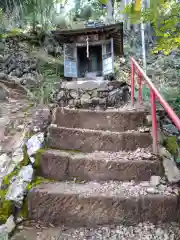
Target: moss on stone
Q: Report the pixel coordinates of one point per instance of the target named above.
(67, 150)
(26, 159)
(37, 180)
(171, 145)
(6, 207)
(7, 179)
(38, 157)
(24, 210)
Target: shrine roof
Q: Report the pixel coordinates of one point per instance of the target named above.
(115, 30)
(87, 30)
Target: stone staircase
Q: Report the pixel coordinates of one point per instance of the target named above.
(101, 164)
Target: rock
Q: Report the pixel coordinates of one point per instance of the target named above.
(32, 159)
(152, 190)
(86, 103)
(74, 94)
(95, 101)
(84, 85)
(164, 153)
(34, 143)
(71, 103)
(17, 156)
(20, 227)
(7, 228)
(5, 162)
(77, 103)
(155, 181)
(60, 95)
(144, 184)
(162, 187)
(143, 129)
(166, 120)
(102, 101)
(3, 76)
(163, 180)
(88, 91)
(3, 94)
(41, 120)
(10, 224)
(171, 129)
(14, 80)
(161, 137)
(85, 97)
(19, 220)
(149, 120)
(85, 100)
(122, 60)
(176, 191)
(15, 143)
(115, 98)
(3, 233)
(26, 173)
(20, 127)
(171, 170)
(17, 189)
(94, 93)
(28, 79)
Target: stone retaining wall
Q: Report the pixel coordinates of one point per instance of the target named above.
(93, 94)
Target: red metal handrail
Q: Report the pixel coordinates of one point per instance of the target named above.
(135, 68)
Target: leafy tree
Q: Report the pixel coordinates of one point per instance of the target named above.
(164, 17)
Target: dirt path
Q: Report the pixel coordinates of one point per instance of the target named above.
(15, 116)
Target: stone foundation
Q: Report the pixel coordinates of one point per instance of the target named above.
(93, 94)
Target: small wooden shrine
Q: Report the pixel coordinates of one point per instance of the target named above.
(90, 51)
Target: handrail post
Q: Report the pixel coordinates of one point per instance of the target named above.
(132, 82)
(154, 122)
(139, 88)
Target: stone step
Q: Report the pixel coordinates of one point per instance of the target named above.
(92, 203)
(119, 120)
(86, 140)
(100, 166)
(141, 231)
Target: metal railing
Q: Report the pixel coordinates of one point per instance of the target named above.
(154, 95)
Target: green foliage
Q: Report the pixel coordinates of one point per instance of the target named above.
(172, 97)
(37, 157)
(12, 33)
(172, 145)
(37, 181)
(50, 70)
(164, 17)
(6, 207)
(145, 94)
(103, 1)
(44, 91)
(86, 12)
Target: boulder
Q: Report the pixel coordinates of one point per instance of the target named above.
(171, 170)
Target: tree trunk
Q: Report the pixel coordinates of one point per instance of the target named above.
(77, 6)
(110, 11)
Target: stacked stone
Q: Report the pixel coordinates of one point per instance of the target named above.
(93, 95)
